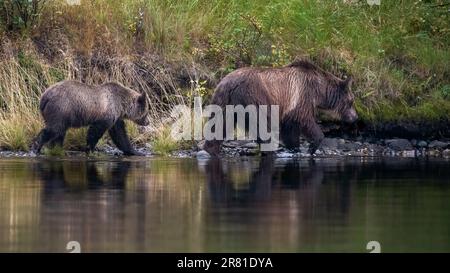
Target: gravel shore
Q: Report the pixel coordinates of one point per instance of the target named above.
(329, 147)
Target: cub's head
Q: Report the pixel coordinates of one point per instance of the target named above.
(341, 101)
(140, 113)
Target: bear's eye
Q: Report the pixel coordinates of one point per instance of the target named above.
(141, 99)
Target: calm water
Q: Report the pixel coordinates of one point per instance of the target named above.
(234, 205)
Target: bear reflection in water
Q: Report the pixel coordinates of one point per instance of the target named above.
(242, 183)
(82, 175)
(245, 204)
(311, 186)
(86, 201)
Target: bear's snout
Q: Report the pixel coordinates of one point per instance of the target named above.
(350, 116)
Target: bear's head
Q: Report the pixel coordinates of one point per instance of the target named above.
(340, 100)
(139, 113)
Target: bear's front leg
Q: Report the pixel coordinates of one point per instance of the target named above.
(119, 137)
(213, 146)
(290, 134)
(314, 134)
(95, 132)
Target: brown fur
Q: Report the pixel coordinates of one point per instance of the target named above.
(300, 89)
(73, 104)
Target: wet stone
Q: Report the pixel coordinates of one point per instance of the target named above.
(411, 153)
(203, 154)
(250, 145)
(284, 154)
(351, 146)
(330, 143)
(422, 144)
(248, 152)
(432, 152)
(436, 144)
(446, 153)
(231, 144)
(399, 144)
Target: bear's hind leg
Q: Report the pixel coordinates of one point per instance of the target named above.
(119, 137)
(95, 132)
(43, 137)
(315, 135)
(58, 140)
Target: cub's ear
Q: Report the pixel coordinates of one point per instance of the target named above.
(348, 83)
(142, 99)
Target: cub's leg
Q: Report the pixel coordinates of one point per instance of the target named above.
(58, 140)
(119, 137)
(314, 134)
(46, 135)
(95, 132)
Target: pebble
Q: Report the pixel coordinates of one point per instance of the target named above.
(203, 154)
(399, 144)
(411, 153)
(422, 144)
(446, 153)
(251, 145)
(330, 143)
(437, 144)
(285, 155)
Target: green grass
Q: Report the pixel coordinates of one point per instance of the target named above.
(398, 53)
(14, 135)
(164, 144)
(54, 151)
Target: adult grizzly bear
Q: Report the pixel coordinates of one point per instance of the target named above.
(299, 89)
(103, 108)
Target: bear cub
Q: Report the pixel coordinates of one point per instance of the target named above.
(72, 104)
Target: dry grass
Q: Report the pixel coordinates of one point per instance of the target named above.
(23, 81)
(19, 120)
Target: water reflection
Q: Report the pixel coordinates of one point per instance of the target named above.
(238, 183)
(246, 204)
(84, 201)
(278, 201)
(63, 175)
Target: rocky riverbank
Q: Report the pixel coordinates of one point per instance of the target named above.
(330, 147)
(346, 147)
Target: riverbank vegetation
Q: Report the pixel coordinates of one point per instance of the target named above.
(398, 53)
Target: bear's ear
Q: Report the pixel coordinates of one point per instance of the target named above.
(348, 83)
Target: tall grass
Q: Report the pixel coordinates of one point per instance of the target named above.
(19, 121)
(23, 79)
(397, 52)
